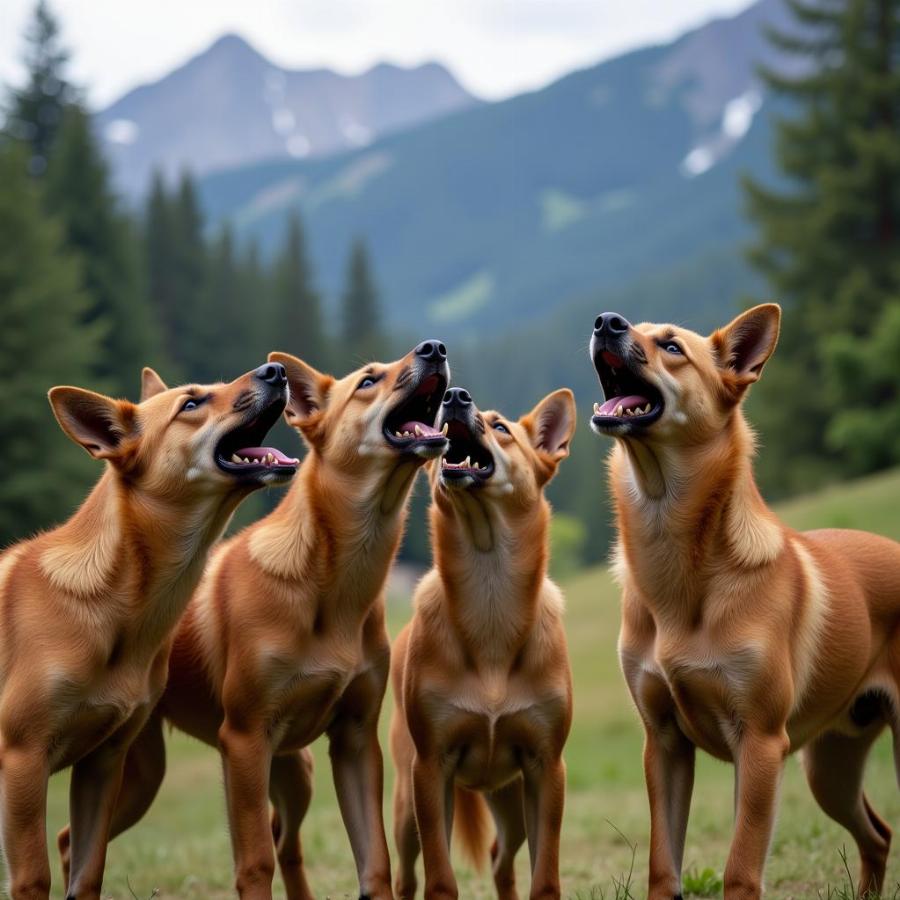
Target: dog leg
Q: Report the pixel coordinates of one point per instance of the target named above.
(23, 786)
(145, 766)
(433, 799)
(507, 807)
(759, 763)
(246, 762)
(290, 789)
(358, 771)
(834, 765)
(545, 792)
(406, 834)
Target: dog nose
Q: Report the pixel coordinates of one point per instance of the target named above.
(611, 324)
(457, 398)
(431, 351)
(272, 373)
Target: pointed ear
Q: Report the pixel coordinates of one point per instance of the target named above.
(551, 424)
(745, 344)
(151, 384)
(308, 389)
(100, 424)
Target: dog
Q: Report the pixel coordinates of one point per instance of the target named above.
(87, 609)
(739, 635)
(481, 674)
(285, 639)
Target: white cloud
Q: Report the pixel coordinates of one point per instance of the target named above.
(496, 47)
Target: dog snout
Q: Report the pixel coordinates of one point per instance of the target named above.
(456, 400)
(431, 351)
(271, 373)
(611, 325)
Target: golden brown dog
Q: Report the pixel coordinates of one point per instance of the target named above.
(739, 635)
(481, 674)
(285, 640)
(87, 610)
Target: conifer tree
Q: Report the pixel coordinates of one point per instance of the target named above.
(362, 339)
(829, 236)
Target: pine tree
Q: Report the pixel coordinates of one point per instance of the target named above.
(43, 342)
(828, 241)
(220, 337)
(296, 317)
(362, 339)
(36, 111)
(78, 192)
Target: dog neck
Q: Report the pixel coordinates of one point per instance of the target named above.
(335, 528)
(140, 549)
(492, 562)
(684, 511)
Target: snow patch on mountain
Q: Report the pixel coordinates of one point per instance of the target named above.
(737, 117)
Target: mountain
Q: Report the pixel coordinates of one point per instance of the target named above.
(230, 106)
(489, 217)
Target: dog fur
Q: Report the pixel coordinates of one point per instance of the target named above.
(739, 635)
(481, 674)
(285, 639)
(87, 609)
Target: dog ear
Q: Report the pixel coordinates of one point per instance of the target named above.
(151, 384)
(100, 424)
(744, 345)
(308, 390)
(551, 425)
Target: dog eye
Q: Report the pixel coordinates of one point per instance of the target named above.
(671, 347)
(367, 382)
(188, 405)
(499, 426)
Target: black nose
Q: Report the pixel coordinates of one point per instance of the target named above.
(272, 373)
(431, 351)
(457, 398)
(611, 324)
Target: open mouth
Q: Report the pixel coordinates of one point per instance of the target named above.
(409, 426)
(466, 457)
(238, 452)
(630, 400)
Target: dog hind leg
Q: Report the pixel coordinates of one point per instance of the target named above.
(290, 789)
(834, 765)
(508, 810)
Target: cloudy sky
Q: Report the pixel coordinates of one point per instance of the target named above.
(495, 47)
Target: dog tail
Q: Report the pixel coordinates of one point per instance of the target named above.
(471, 823)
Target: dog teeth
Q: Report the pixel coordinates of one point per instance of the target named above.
(270, 459)
(596, 409)
(445, 428)
(235, 458)
(418, 430)
(618, 411)
(647, 408)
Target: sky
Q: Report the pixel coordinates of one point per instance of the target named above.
(495, 47)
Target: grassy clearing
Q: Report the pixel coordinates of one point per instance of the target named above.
(181, 848)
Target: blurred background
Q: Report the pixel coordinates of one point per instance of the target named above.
(193, 185)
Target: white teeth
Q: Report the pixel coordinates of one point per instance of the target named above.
(418, 430)
(270, 459)
(467, 463)
(629, 412)
(443, 463)
(246, 460)
(596, 409)
(618, 411)
(647, 408)
(445, 428)
(235, 458)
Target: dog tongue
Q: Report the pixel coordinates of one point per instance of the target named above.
(424, 430)
(633, 400)
(262, 453)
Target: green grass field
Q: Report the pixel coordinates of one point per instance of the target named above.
(181, 849)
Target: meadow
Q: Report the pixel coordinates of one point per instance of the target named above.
(181, 848)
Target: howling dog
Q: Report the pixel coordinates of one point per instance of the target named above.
(739, 635)
(481, 674)
(285, 640)
(87, 610)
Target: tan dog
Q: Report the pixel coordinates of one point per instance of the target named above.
(87, 610)
(284, 640)
(481, 674)
(739, 635)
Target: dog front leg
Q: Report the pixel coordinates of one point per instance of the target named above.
(759, 763)
(545, 792)
(669, 759)
(433, 801)
(247, 762)
(358, 770)
(23, 784)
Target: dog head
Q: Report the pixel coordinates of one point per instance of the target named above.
(184, 440)
(375, 417)
(668, 384)
(500, 458)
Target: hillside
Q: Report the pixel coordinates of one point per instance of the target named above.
(487, 217)
(230, 106)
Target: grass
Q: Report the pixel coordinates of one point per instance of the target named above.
(181, 848)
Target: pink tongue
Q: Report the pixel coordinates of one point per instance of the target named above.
(630, 402)
(261, 453)
(424, 430)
